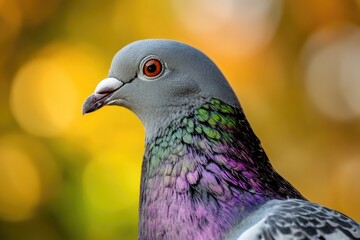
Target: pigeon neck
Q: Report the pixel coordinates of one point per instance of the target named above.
(203, 173)
(160, 119)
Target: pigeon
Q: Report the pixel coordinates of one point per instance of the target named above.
(205, 174)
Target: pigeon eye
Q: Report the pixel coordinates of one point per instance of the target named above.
(152, 68)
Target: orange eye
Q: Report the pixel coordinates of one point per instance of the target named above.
(152, 67)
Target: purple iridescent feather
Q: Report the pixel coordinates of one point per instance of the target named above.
(203, 174)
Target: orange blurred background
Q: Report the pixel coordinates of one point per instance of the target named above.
(295, 66)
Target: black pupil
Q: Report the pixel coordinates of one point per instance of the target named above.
(151, 68)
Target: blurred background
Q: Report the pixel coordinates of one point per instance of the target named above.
(295, 66)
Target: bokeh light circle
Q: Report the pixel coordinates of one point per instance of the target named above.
(332, 63)
(42, 98)
(19, 183)
(239, 27)
(347, 186)
(28, 176)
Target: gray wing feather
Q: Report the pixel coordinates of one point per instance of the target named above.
(299, 219)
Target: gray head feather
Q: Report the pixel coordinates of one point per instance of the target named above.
(189, 75)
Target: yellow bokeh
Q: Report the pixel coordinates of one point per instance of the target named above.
(10, 18)
(111, 186)
(347, 185)
(28, 176)
(30, 10)
(42, 98)
(19, 184)
(293, 65)
(46, 93)
(111, 182)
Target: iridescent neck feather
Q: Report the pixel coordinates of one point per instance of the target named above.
(206, 169)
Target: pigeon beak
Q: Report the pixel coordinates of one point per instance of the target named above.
(102, 95)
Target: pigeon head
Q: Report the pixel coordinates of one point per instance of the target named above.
(154, 77)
